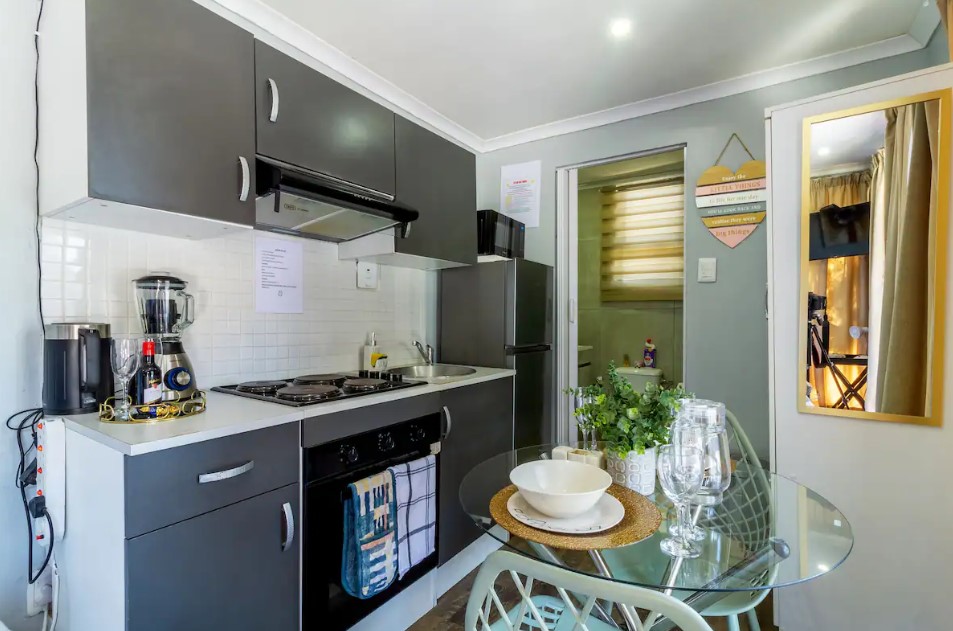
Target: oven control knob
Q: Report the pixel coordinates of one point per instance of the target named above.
(349, 454)
(385, 441)
(417, 434)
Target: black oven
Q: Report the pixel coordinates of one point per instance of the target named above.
(328, 469)
(500, 235)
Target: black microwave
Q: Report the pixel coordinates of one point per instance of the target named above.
(500, 235)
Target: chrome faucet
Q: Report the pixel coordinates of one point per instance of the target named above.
(427, 353)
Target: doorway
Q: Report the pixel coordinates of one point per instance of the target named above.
(621, 271)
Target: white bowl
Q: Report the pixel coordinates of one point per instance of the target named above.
(560, 488)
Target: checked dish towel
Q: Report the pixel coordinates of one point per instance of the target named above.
(415, 485)
(369, 561)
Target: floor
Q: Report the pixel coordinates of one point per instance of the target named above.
(450, 611)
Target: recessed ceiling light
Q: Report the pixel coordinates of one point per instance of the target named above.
(823, 567)
(620, 27)
(823, 151)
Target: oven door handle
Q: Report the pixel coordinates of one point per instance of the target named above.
(446, 413)
(288, 518)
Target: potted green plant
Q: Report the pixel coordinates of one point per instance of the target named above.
(632, 424)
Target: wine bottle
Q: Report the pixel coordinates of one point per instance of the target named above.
(148, 379)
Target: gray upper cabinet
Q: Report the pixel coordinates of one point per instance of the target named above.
(234, 568)
(478, 425)
(171, 121)
(437, 178)
(309, 120)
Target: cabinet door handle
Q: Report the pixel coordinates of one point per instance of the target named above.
(234, 472)
(446, 412)
(289, 518)
(273, 88)
(246, 179)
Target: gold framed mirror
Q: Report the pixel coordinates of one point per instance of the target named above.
(874, 205)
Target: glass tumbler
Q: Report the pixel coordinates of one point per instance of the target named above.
(710, 416)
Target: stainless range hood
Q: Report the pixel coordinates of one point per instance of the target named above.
(295, 201)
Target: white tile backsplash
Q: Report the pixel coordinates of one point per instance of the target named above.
(88, 272)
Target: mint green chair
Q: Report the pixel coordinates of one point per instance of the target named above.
(744, 516)
(575, 608)
(751, 500)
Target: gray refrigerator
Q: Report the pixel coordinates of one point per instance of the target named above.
(500, 315)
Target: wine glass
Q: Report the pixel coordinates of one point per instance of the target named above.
(125, 361)
(686, 432)
(585, 424)
(680, 471)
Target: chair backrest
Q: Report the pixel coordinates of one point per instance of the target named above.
(577, 596)
(747, 512)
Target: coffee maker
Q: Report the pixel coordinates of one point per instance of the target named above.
(77, 369)
(166, 310)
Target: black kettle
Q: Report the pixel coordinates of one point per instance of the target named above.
(77, 367)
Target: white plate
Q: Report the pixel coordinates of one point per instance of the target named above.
(607, 512)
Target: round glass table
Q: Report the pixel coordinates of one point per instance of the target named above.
(768, 532)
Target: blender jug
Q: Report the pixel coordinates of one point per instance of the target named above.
(165, 309)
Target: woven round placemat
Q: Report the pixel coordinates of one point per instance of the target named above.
(641, 520)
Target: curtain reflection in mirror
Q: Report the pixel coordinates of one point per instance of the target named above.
(910, 154)
(844, 281)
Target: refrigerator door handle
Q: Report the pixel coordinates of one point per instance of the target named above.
(527, 348)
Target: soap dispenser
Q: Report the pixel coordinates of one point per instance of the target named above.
(370, 350)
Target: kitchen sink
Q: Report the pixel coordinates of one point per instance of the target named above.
(433, 371)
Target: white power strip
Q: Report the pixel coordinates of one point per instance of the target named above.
(51, 474)
(50, 484)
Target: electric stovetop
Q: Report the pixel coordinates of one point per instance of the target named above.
(313, 389)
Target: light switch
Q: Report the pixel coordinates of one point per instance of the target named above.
(367, 275)
(707, 270)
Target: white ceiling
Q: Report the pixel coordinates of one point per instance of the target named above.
(498, 67)
(846, 144)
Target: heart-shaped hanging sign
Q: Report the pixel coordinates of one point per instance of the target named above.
(732, 203)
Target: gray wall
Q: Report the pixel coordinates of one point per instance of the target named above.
(726, 332)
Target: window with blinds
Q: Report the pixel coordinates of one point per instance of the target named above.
(643, 240)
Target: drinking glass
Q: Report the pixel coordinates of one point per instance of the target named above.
(585, 424)
(701, 423)
(686, 433)
(680, 471)
(125, 361)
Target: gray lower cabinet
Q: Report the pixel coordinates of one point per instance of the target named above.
(171, 120)
(309, 120)
(438, 179)
(479, 425)
(234, 568)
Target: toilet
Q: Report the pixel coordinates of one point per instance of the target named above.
(640, 377)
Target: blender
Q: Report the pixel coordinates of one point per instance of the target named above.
(166, 310)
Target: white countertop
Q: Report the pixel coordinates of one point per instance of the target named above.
(228, 414)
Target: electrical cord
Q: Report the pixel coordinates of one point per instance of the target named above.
(36, 163)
